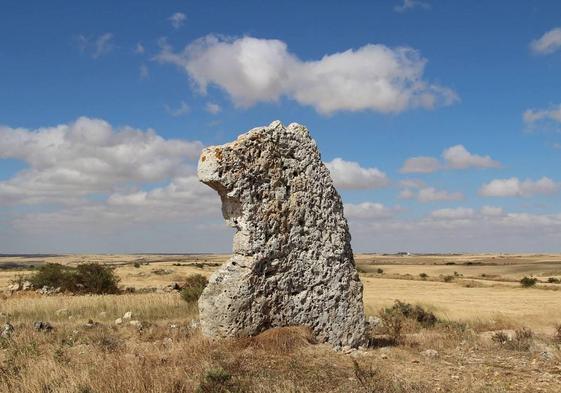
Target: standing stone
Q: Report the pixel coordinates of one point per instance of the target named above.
(292, 262)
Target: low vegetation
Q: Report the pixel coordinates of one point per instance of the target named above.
(492, 337)
(193, 288)
(528, 282)
(85, 278)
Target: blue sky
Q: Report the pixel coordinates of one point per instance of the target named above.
(377, 83)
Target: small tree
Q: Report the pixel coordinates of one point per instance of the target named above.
(423, 276)
(96, 278)
(528, 282)
(193, 287)
(86, 278)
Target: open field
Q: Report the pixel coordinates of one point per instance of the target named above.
(168, 353)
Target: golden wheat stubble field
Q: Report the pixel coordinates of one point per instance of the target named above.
(475, 297)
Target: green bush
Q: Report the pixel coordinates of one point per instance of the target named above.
(193, 287)
(380, 271)
(217, 380)
(418, 313)
(528, 282)
(448, 278)
(423, 275)
(553, 280)
(96, 278)
(86, 278)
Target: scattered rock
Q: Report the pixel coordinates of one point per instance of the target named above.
(42, 326)
(136, 324)
(46, 290)
(7, 330)
(162, 272)
(127, 316)
(374, 322)
(91, 324)
(292, 261)
(103, 314)
(14, 287)
(430, 353)
(119, 321)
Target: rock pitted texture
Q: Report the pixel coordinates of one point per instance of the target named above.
(292, 262)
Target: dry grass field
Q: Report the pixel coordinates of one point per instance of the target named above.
(166, 353)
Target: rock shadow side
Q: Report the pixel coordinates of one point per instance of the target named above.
(292, 261)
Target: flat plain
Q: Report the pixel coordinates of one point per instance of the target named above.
(475, 297)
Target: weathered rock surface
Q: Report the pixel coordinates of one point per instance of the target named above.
(292, 261)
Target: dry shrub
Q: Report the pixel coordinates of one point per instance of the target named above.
(85, 278)
(379, 380)
(557, 334)
(521, 341)
(281, 340)
(193, 288)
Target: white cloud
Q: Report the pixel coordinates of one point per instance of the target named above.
(416, 189)
(458, 213)
(177, 20)
(252, 70)
(369, 211)
(213, 108)
(457, 157)
(514, 187)
(350, 175)
(547, 43)
(546, 118)
(95, 47)
(68, 162)
(139, 48)
(492, 211)
(181, 110)
(411, 4)
(420, 165)
(462, 229)
(431, 194)
(454, 157)
(143, 71)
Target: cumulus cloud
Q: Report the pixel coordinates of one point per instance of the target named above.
(88, 156)
(97, 46)
(547, 43)
(457, 213)
(454, 157)
(457, 157)
(420, 165)
(545, 118)
(460, 229)
(414, 189)
(213, 108)
(252, 70)
(181, 110)
(143, 71)
(410, 4)
(139, 48)
(350, 175)
(369, 211)
(177, 20)
(86, 182)
(492, 211)
(515, 187)
(431, 194)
